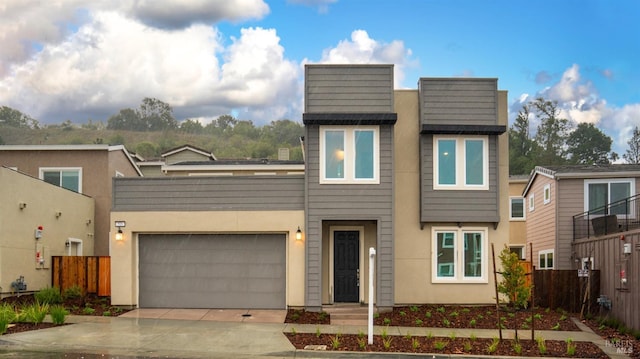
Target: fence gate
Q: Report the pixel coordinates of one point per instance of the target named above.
(91, 273)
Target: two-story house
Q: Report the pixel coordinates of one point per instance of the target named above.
(419, 175)
(555, 194)
(86, 169)
(39, 220)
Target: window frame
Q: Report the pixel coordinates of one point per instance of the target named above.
(522, 255)
(42, 170)
(532, 202)
(459, 249)
(349, 159)
(546, 193)
(546, 253)
(524, 212)
(460, 163)
(609, 182)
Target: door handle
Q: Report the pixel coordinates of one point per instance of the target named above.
(358, 277)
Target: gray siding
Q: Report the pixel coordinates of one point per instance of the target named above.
(458, 101)
(350, 202)
(457, 206)
(570, 197)
(208, 193)
(348, 88)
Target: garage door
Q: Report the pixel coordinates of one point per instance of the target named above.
(212, 271)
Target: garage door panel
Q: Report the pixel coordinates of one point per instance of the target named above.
(212, 271)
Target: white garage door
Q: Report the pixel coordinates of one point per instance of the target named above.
(212, 271)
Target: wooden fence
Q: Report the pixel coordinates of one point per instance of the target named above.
(564, 289)
(92, 274)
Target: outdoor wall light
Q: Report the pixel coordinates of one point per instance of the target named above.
(298, 234)
(119, 235)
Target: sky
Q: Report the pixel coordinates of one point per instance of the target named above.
(83, 60)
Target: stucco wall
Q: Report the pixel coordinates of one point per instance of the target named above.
(41, 202)
(124, 267)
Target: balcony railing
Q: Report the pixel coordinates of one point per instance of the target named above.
(623, 215)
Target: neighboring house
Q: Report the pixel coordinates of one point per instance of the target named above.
(191, 161)
(39, 220)
(419, 175)
(555, 194)
(86, 169)
(518, 216)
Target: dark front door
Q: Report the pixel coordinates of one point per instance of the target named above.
(346, 265)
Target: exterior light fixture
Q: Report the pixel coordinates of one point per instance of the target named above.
(298, 234)
(119, 234)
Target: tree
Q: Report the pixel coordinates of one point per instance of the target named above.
(14, 118)
(157, 115)
(521, 147)
(191, 126)
(125, 119)
(587, 145)
(633, 152)
(552, 132)
(513, 284)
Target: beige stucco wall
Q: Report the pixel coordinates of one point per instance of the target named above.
(18, 245)
(517, 228)
(124, 256)
(413, 257)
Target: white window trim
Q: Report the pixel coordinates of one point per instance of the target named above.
(532, 202)
(524, 212)
(460, 163)
(545, 252)
(458, 276)
(349, 155)
(609, 181)
(42, 170)
(546, 193)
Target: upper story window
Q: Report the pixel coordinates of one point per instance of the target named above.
(459, 255)
(547, 193)
(601, 193)
(461, 163)
(66, 177)
(532, 202)
(516, 209)
(349, 154)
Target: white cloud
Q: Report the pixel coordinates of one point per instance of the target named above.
(362, 49)
(113, 62)
(321, 5)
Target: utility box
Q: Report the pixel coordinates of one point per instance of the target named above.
(626, 248)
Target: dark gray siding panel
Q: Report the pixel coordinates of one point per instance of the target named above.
(209, 193)
(349, 202)
(348, 88)
(458, 101)
(458, 206)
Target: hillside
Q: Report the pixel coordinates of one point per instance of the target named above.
(152, 144)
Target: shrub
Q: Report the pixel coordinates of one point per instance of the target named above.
(58, 314)
(7, 313)
(49, 295)
(88, 310)
(73, 292)
(34, 313)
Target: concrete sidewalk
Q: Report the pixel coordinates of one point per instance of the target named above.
(135, 336)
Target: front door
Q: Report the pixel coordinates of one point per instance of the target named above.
(346, 266)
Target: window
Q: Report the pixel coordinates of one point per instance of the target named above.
(461, 163)
(532, 202)
(460, 255)
(547, 193)
(599, 194)
(516, 209)
(546, 259)
(349, 155)
(519, 250)
(69, 178)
